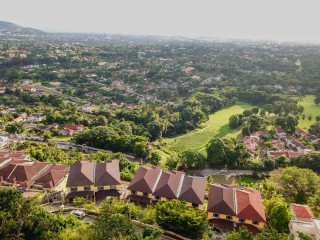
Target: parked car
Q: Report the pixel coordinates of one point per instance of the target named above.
(79, 214)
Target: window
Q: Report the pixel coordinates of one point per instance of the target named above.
(87, 188)
(216, 215)
(74, 189)
(133, 192)
(113, 187)
(229, 217)
(101, 188)
(255, 222)
(241, 220)
(195, 205)
(145, 194)
(157, 198)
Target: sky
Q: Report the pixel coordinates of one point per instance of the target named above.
(283, 20)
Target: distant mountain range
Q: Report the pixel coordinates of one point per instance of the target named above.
(11, 28)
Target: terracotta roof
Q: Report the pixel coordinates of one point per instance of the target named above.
(302, 131)
(193, 189)
(74, 127)
(245, 204)
(249, 205)
(222, 200)
(168, 185)
(53, 176)
(144, 180)
(107, 173)
(81, 174)
(301, 211)
(23, 173)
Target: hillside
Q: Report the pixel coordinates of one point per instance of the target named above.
(11, 28)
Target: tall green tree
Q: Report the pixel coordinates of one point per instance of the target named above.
(296, 185)
(176, 216)
(15, 128)
(221, 152)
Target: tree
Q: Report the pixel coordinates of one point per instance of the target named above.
(192, 159)
(315, 129)
(15, 128)
(303, 236)
(314, 203)
(113, 226)
(140, 149)
(317, 100)
(241, 234)
(246, 128)
(288, 123)
(296, 184)
(272, 234)
(221, 152)
(156, 129)
(279, 217)
(176, 216)
(101, 120)
(247, 113)
(234, 121)
(255, 110)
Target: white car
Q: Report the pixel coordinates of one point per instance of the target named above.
(78, 213)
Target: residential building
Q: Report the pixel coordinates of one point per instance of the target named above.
(251, 142)
(93, 180)
(28, 88)
(150, 185)
(68, 130)
(231, 208)
(303, 221)
(28, 174)
(36, 117)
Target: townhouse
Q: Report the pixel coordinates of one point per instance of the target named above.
(93, 180)
(231, 208)
(150, 185)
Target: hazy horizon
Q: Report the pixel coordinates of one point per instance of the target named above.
(248, 19)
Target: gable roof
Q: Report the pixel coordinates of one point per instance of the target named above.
(222, 199)
(249, 205)
(168, 185)
(144, 180)
(53, 176)
(81, 174)
(171, 185)
(301, 211)
(243, 203)
(24, 173)
(107, 173)
(193, 189)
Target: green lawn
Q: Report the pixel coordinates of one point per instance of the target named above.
(216, 126)
(309, 108)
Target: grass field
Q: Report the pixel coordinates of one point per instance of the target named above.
(61, 138)
(309, 108)
(216, 126)
(221, 179)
